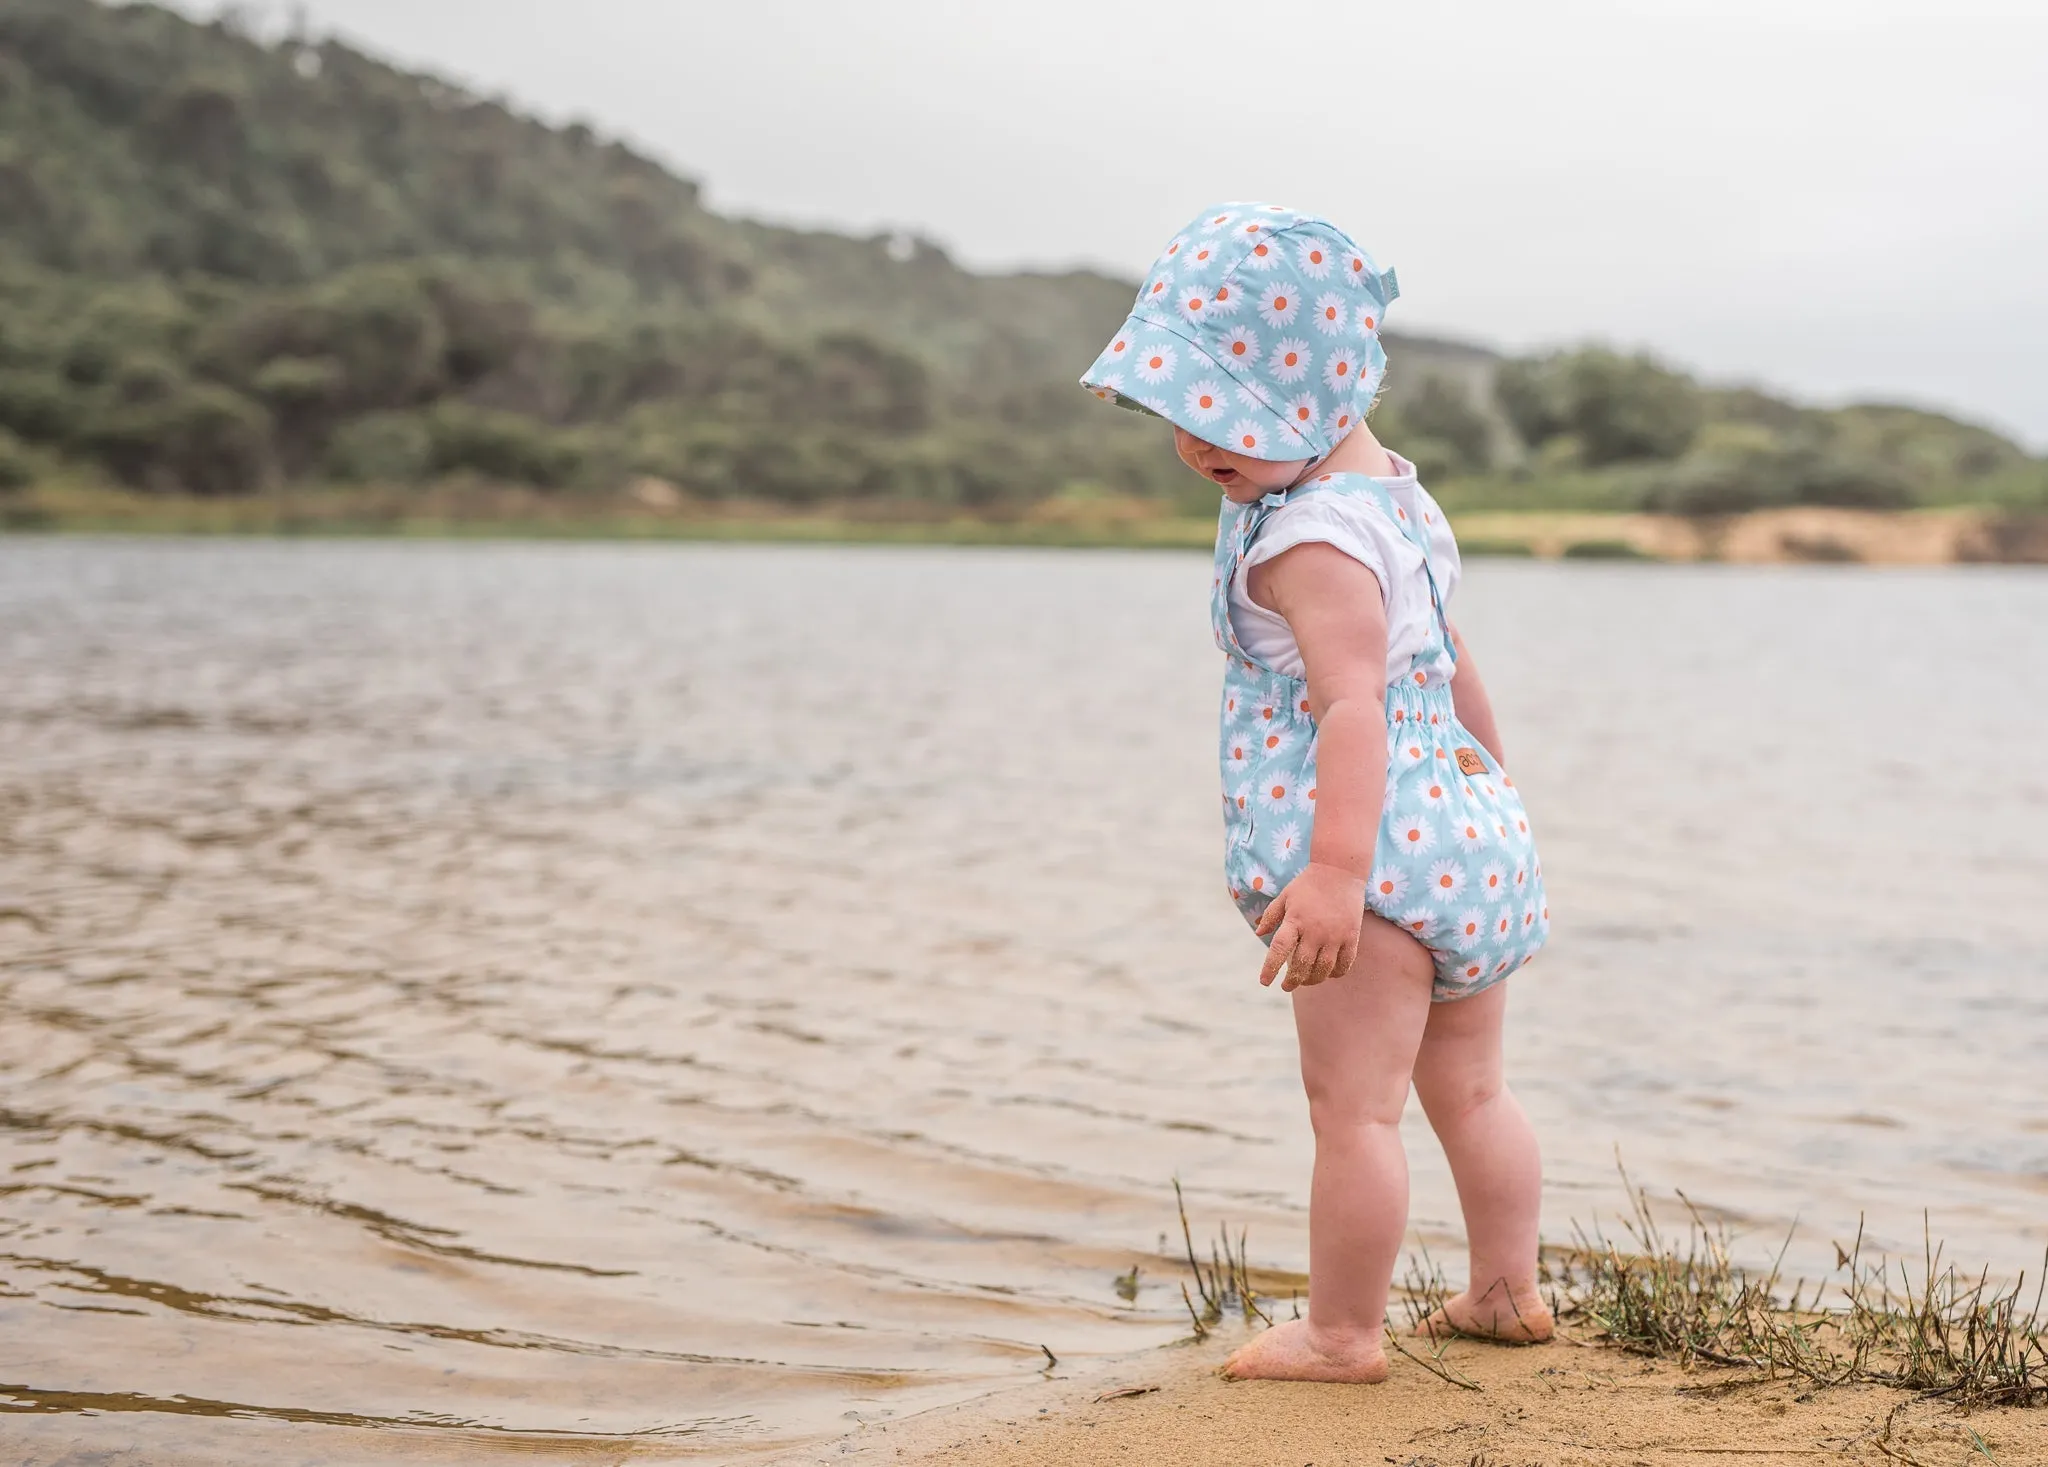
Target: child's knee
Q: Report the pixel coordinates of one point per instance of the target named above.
(1347, 1105)
(1449, 1098)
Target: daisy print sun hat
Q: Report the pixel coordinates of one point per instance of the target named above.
(1257, 330)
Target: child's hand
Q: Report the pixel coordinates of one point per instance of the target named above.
(1315, 922)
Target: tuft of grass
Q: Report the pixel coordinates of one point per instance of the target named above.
(1226, 1283)
(1944, 1335)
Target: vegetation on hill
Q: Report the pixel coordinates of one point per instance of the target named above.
(227, 263)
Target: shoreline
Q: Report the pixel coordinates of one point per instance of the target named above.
(1569, 1403)
(1967, 535)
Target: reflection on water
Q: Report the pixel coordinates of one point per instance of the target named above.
(688, 999)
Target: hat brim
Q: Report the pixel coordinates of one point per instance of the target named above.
(1150, 367)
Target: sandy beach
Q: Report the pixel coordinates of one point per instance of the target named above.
(1563, 1404)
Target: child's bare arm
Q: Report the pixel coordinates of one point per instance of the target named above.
(1333, 605)
(1475, 708)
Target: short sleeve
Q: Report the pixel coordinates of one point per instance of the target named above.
(1348, 522)
(1445, 561)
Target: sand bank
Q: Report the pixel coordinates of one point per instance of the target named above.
(1557, 1405)
(650, 510)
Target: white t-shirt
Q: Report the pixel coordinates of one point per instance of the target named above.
(1357, 526)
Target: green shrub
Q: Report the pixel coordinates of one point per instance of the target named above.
(17, 471)
(499, 445)
(1443, 411)
(39, 405)
(299, 382)
(1734, 477)
(1620, 408)
(384, 448)
(201, 439)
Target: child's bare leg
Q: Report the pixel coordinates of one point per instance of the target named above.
(1358, 1037)
(1459, 1077)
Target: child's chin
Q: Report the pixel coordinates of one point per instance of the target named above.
(1243, 492)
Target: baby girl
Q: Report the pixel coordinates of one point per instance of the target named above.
(1373, 836)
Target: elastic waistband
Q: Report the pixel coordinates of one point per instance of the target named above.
(1409, 701)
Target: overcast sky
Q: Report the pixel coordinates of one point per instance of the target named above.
(1837, 197)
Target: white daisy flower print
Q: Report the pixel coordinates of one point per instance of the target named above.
(1471, 836)
(1199, 256)
(1108, 385)
(1192, 303)
(1156, 291)
(1493, 882)
(1180, 242)
(1331, 314)
(1276, 791)
(1315, 259)
(1271, 741)
(1246, 437)
(1264, 711)
(1205, 402)
(1419, 921)
(1239, 749)
(1471, 971)
(1155, 365)
(1259, 883)
(1249, 400)
(1339, 422)
(1414, 835)
(1521, 878)
(1226, 300)
(1355, 272)
(1368, 320)
(1471, 928)
(1305, 796)
(1410, 752)
(1121, 348)
(1302, 410)
(1264, 255)
(1340, 370)
(1286, 845)
(1279, 304)
(1447, 880)
(1241, 347)
(1389, 886)
(1290, 360)
(1435, 793)
(1218, 221)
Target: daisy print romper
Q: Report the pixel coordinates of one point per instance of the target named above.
(1455, 864)
(1257, 329)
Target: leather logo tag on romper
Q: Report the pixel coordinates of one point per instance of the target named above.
(1470, 762)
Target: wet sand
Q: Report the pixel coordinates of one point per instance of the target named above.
(1556, 1405)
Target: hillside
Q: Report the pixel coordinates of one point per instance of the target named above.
(227, 264)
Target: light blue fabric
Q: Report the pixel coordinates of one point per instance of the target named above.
(1455, 863)
(1257, 330)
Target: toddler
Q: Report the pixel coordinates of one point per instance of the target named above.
(1373, 837)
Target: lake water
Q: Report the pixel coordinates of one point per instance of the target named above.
(581, 1002)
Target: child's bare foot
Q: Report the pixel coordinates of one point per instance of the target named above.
(1499, 1314)
(1289, 1352)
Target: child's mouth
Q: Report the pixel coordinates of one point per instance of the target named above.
(1224, 476)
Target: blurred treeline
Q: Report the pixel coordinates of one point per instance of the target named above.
(230, 261)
